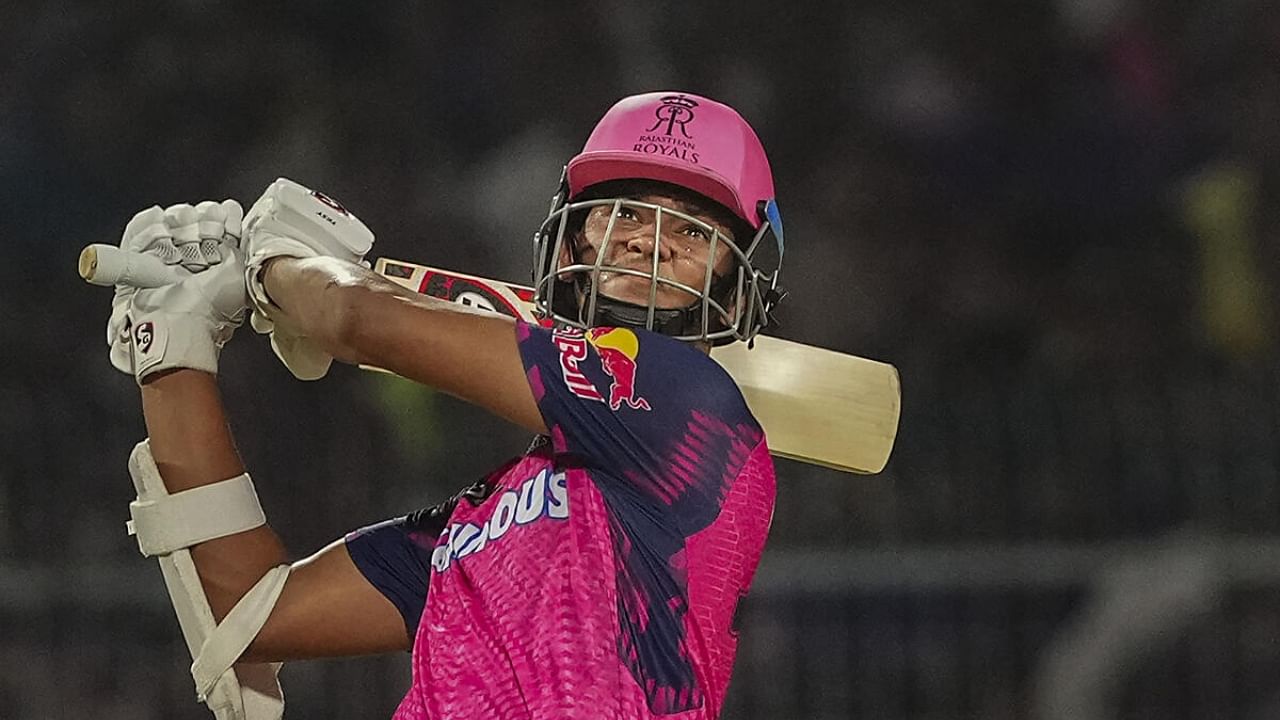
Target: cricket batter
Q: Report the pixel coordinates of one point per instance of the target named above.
(599, 574)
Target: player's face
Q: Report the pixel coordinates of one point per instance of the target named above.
(684, 249)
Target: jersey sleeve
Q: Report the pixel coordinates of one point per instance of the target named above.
(395, 557)
(652, 417)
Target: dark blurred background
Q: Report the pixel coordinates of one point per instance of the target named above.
(1058, 219)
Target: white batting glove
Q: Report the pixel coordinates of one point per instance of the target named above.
(290, 220)
(184, 323)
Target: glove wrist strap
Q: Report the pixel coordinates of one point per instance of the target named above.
(163, 342)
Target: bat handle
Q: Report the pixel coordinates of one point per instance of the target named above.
(108, 265)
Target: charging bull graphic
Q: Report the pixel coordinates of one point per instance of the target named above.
(618, 348)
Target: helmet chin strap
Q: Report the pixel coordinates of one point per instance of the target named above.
(675, 322)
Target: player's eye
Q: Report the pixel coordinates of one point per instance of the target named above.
(697, 231)
(626, 213)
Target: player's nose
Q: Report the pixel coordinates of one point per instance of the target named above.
(645, 239)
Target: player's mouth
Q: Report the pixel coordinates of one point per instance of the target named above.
(635, 289)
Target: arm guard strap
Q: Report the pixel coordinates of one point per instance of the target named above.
(249, 691)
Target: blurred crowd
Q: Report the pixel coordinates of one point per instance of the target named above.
(1058, 219)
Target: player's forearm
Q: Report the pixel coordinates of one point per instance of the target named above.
(343, 307)
(318, 297)
(192, 446)
(358, 316)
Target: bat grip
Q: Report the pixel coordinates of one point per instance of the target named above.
(108, 265)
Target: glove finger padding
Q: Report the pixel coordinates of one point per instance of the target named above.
(143, 228)
(184, 323)
(202, 233)
(184, 225)
(218, 219)
(219, 226)
(194, 258)
(183, 222)
(211, 250)
(164, 249)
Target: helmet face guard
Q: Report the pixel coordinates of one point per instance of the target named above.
(720, 309)
(687, 142)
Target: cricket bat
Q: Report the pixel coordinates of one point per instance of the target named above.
(816, 405)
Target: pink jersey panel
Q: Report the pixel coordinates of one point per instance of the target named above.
(722, 561)
(532, 631)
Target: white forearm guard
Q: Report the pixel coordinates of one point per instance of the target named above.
(166, 525)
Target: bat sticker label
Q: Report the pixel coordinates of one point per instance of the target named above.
(397, 270)
(476, 300)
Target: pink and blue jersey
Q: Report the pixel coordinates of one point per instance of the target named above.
(598, 575)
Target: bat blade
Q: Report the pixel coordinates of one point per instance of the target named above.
(816, 405)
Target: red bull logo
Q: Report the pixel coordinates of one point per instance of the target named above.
(618, 348)
(573, 350)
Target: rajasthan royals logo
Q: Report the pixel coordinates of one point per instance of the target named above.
(674, 110)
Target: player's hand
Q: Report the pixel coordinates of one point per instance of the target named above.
(186, 322)
(290, 220)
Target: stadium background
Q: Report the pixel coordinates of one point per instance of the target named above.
(1058, 219)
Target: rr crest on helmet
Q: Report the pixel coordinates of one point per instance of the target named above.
(675, 111)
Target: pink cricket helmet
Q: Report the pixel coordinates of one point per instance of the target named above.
(683, 139)
(694, 143)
